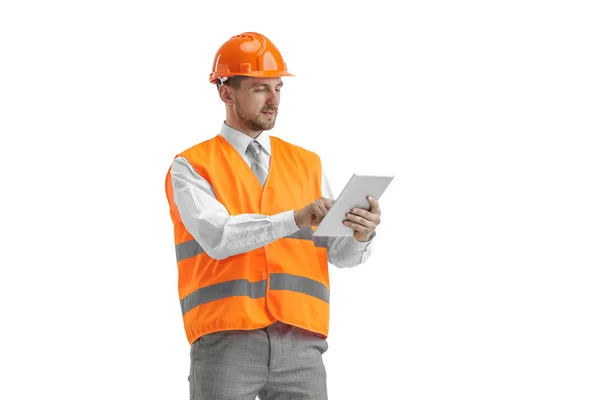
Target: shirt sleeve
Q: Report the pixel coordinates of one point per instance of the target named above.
(219, 234)
(345, 252)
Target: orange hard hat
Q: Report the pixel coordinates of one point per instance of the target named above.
(248, 54)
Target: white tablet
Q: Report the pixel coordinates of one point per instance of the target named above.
(353, 195)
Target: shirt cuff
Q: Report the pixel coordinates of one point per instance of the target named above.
(284, 223)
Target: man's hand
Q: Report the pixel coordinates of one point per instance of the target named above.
(312, 214)
(364, 221)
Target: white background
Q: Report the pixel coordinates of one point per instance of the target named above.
(484, 282)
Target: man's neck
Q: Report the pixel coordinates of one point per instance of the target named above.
(239, 127)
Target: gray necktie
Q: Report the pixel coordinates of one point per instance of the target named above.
(258, 162)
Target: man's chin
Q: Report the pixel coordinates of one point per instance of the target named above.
(265, 126)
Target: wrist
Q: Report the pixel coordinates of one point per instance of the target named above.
(296, 219)
(363, 238)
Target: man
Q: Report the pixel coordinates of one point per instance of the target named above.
(253, 282)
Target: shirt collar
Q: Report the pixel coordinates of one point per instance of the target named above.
(240, 140)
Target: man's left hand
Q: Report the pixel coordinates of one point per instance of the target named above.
(364, 221)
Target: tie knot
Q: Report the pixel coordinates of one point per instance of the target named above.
(254, 148)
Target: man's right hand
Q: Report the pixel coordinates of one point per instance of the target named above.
(313, 214)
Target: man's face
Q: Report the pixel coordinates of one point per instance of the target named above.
(256, 101)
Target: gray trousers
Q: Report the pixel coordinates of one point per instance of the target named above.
(280, 362)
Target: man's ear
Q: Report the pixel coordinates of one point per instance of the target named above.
(225, 92)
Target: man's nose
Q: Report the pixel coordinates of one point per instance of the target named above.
(273, 99)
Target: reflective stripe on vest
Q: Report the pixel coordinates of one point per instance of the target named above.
(255, 290)
(191, 248)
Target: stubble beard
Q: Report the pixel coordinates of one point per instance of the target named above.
(255, 122)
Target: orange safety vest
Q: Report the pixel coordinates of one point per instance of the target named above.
(286, 280)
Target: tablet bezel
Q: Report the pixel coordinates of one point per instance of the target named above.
(374, 185)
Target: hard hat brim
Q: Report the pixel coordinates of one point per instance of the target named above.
(256, 74)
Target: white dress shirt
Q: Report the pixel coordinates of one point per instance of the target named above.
(222, 235)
